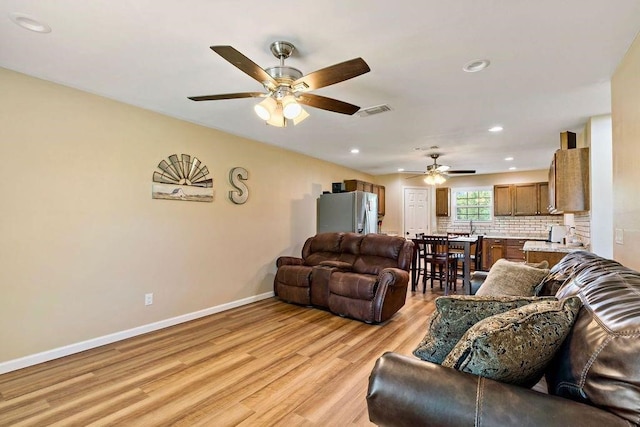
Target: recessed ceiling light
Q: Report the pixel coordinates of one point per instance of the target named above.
(476, 65)
(354, 151)
(29, 22)
(400, 169)
(508, 159)
(495, 129)
(512, 168)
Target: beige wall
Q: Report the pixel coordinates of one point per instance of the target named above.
(625, 112)
(82, 240)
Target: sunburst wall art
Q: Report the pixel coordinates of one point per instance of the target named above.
(182, 178)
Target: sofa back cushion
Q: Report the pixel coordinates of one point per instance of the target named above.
(599, 362)
(379, 251)
(350, 247)
(322, 247)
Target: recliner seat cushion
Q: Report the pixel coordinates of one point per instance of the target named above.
(353, 285)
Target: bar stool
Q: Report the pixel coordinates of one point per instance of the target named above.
(442, 266)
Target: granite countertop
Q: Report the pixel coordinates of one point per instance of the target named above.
(536, 246)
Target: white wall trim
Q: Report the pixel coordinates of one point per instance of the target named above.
(45, 356)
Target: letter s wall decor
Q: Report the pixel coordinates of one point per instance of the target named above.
(241, 193)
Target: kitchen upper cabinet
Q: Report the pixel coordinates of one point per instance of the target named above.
(379, 190)
(569, 181)
(531, 199)
(543, 191)
(502, 200)
(443, 201)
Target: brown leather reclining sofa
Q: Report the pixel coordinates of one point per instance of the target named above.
(594, 379)
(362, 276)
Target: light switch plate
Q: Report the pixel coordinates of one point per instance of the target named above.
(619, 236)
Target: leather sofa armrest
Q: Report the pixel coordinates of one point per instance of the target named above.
(289, 260)
(477, 279)
(393, 277)
(405, 391)
(341, 265)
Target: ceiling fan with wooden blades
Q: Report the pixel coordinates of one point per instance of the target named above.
(287, 87)
(437, 174)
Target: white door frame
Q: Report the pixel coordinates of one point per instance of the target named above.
(428, 207)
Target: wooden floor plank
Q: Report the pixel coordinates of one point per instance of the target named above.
(266, 363)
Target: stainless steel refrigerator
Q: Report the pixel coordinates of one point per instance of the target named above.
(355, 211)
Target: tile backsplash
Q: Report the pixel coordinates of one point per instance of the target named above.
(525, 226)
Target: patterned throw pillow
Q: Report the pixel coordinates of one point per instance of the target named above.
(515, 346)
(455, 314)
(512, 278)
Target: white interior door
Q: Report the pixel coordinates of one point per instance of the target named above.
(416, 211)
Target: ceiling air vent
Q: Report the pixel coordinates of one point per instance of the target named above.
(366, 112)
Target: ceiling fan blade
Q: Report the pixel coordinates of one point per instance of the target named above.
(244, 64)
(461, 171)
(443, 168)
(328, 104)
(227, 96)
(330, 75)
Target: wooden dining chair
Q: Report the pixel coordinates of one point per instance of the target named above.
(420, 251)
(442, 267)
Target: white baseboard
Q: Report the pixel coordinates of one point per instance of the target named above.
(45, 356)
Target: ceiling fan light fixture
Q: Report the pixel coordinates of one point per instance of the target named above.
(290, 107)
(303, 115)
(277, 119)
(265, 108)
(435, 178)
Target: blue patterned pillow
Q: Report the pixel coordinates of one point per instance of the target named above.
(455, 314)
(515, 346)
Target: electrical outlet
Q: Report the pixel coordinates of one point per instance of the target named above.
(148, 299)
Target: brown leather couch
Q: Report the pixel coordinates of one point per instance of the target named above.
(594, 379)
(364, 277)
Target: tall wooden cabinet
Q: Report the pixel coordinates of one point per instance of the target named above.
(443, 201)
(569, 181)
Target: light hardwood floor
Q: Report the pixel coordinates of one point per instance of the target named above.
(267, 363)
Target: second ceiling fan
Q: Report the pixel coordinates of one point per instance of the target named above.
(287, 87)
(437, 174)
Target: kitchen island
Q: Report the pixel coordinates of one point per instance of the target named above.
(537, 251)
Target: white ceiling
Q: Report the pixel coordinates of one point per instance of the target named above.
(551, 64)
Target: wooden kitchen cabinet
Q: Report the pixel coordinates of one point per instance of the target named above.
(492, 250)
(508, 248)
(443, 201)
(502, 200)
(569, 181)
(531, 199)
(514, 249)
(551, 257)
(379, 190)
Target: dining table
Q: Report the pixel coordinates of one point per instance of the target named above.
(463, 243)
